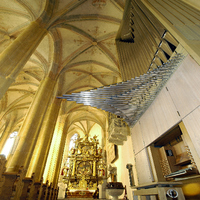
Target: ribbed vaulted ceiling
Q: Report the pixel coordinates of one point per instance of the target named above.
(79, 46)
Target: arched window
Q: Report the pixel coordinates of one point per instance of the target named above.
(10, 144)
(71, 145)
(72, 141)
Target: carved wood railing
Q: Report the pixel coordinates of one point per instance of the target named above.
(28, 188)
(13, 185)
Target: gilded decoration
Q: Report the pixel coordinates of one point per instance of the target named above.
(85, 168)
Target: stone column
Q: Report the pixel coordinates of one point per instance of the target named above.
(43, 143)
(7, 132)
(29, 130)
(15, 56)
(59, 159)
(56, 150)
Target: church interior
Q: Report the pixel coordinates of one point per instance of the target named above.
(99, 99)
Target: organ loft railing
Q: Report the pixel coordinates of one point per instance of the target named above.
(85, 167)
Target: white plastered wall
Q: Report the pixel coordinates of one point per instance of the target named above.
(126, 156)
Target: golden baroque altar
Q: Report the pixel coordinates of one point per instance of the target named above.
(85, 168)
